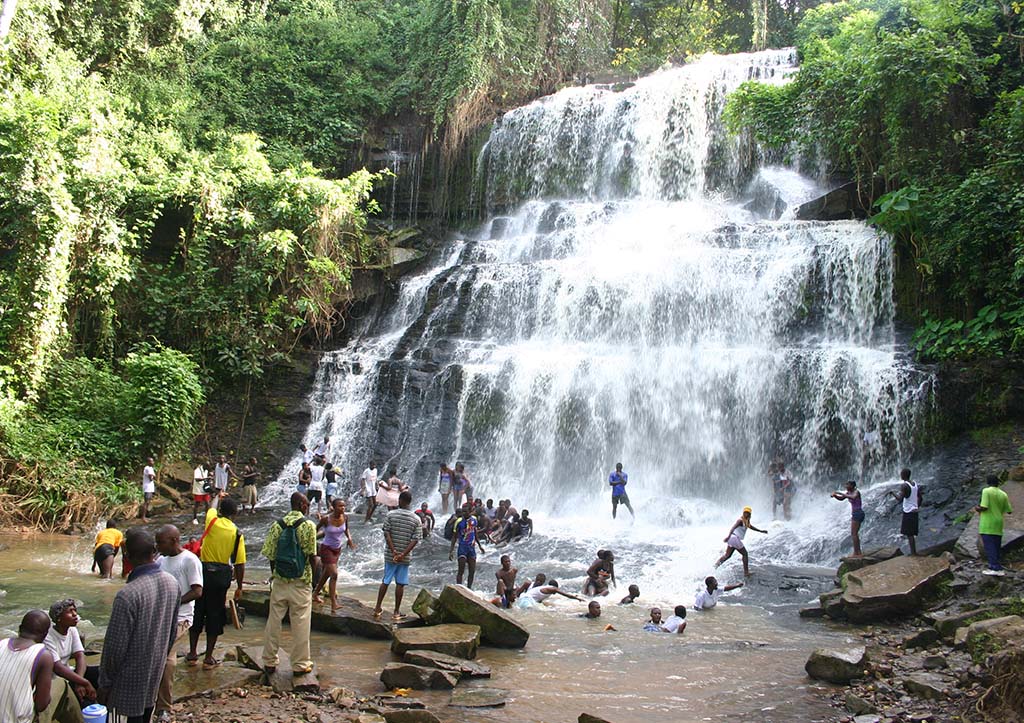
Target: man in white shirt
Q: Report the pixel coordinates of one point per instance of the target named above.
(188, 571)
(316, 483)
(200, 492)
(148, 487)
(322, 449)
(307, 454)
(676, 623)
(708, 597)
(222, 473)
(369, 482)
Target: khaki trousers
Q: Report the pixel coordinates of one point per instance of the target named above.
(295, 599)
(63, 706)
(163, 696)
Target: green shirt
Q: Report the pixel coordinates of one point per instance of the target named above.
(306, 533)
(996, 504)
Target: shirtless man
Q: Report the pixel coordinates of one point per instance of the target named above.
(599, 573)
(506, 592)
(634, 593)
(734, 540)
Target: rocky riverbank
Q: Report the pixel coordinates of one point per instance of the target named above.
(949, 648)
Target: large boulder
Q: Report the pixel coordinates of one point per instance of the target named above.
(417, 677)
(893, 588)
(497, 627)
(837, 666)
(947, 623)
(455, 639)
(465, 668)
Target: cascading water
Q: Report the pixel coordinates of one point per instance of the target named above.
(624, 302)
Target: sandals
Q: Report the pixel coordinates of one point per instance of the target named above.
(210, 666)
(192, 660)
(377, 614)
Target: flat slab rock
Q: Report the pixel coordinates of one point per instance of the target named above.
(892, 588)
(497, 627)
(351, 618)
(479, 698)
(454, 639)
(465, 668)
(1008, 627)
(409, 715)
(417, 677)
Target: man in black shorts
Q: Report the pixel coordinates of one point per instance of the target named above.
(617, 480)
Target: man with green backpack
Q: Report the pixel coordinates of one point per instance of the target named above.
(291, 549)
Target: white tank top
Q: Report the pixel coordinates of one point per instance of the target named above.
(910, 502)
(16, 703)
(537, 595)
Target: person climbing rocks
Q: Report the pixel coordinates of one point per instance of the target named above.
(856, 512)
(734, 540)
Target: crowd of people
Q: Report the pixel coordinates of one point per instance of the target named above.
(177, 591)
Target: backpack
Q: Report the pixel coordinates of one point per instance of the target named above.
(289, 560)
(449, 527)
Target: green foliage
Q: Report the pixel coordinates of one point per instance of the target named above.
(767, 111)
(650, 34)
(925, 95)
(164, 396)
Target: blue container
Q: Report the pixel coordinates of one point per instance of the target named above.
(95, 713)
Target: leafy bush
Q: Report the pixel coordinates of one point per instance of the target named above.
(163, 398)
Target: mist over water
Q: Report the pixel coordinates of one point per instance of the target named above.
(639, 293)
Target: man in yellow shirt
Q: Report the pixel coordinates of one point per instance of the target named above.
(223, 556)
(108, 542)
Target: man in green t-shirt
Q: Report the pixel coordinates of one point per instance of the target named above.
(994, 504)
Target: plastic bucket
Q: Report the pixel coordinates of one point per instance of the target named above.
(95, 713)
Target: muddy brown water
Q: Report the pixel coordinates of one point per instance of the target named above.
(735, 663)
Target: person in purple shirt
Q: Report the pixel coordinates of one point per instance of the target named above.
(617, 480)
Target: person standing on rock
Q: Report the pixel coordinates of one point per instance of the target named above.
(787, 490)
(322, 450)
(291, 548)
(222, 474)
(141, 631)
(856, 512)
(305, 476)
(617, 480)
(184, 567)
(250, 475)
(148, 487)
(316, 483)
(734, 540)
(462, 487)
(994, 504)
(427, 519)
(368, 480)
(200, 490)
(223, 557)
(444, 485)
(909, 495)
(466, 537)
(401, 533)
(335, 526)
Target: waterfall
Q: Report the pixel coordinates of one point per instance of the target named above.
(630, 299)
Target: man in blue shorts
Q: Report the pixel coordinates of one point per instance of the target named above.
(401, 533)
(466, 538)
(617, 480)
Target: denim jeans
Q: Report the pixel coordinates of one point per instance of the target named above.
(992, 545)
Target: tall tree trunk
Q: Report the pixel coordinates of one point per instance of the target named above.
(759, 21)
(6, 16)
